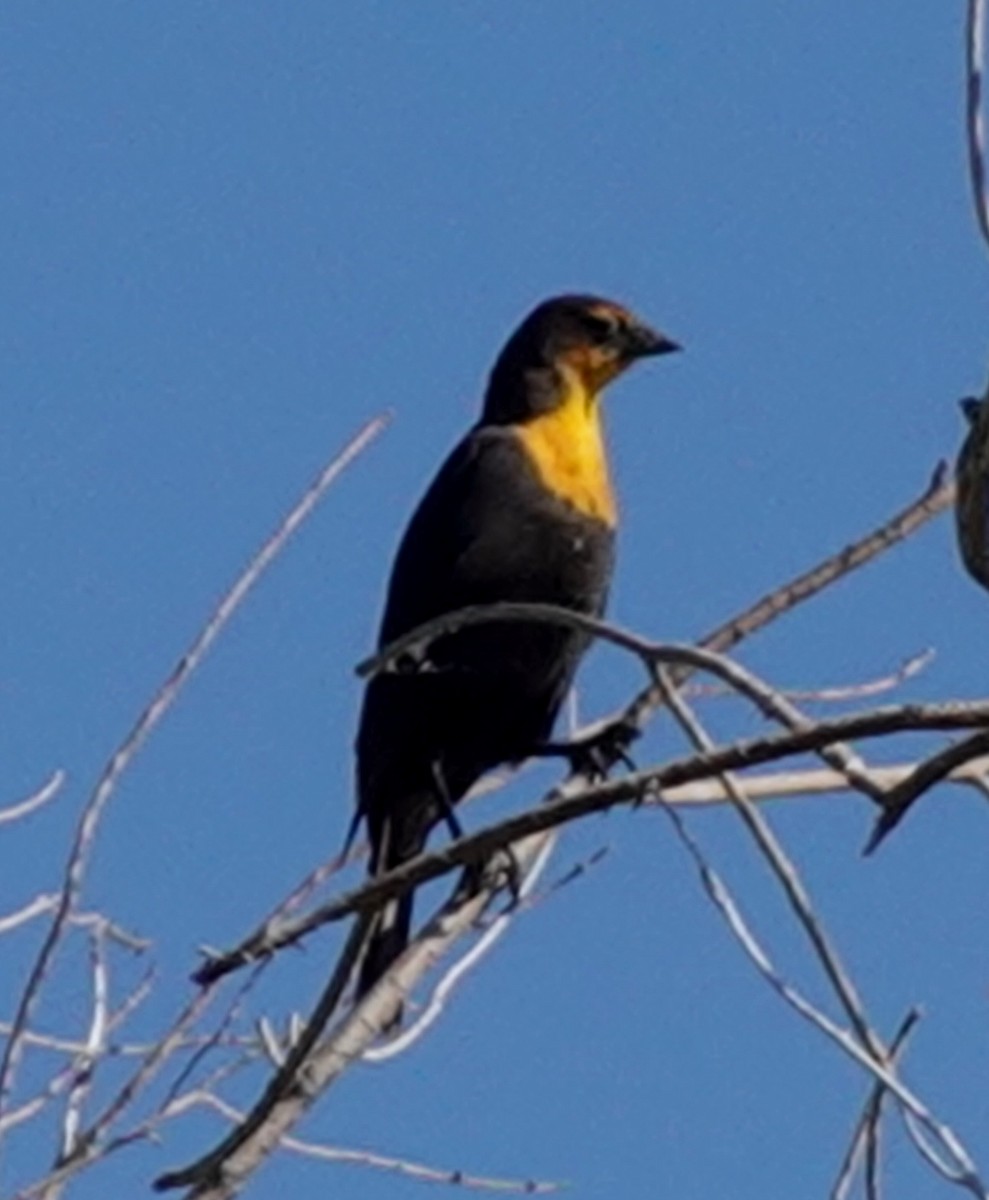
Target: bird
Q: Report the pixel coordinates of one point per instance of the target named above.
(521, 510)
(972, 499)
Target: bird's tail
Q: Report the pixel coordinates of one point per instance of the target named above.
(390, 932)
(389, 938)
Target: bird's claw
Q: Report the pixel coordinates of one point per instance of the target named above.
(597, 754)
(501, 869)
(507, 870)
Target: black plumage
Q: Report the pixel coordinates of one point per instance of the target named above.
(520, 511)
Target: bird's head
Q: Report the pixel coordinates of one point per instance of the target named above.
(567, 344)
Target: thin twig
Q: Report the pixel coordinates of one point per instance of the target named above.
(785, 873)
(223, 1172)
(214, 1039)
(966, 1174)
(288, 1078)
(30, 1108)
(298, 895)
(835, 694)
(841, 982)
(72, 1046)
(873, 1053)
(164, 698)
(367, 1158)
(865, 1137)
(34, 908)
(85, 1066)
(46, 792)
(110, 930)
(89, 1147)
(936, 497)
(975, 53)
(814, 781)
(925, 775)
(219, 963)
(574, 872)
(131, 1003)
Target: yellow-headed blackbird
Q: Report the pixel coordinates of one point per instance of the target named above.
(522, 510)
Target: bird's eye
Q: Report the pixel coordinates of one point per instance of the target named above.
(602, 327)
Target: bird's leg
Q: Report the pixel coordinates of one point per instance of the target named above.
(473, 875)
(444, 802)
(595, 754)
(500, 868)
(505, 862)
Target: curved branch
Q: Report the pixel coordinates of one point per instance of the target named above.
(46, 792)
(899, 800)
(629, 789)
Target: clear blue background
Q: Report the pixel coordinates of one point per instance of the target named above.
(230, 234)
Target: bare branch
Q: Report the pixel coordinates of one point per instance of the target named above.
(964, 1173)
(367, 1158)
(834, 694)
(89, 1144)
(634, 788)
(774, 785)
(784, 785)
(166, 695)
(298, 896)
(94, 1048)
(37, 907)
(937, 496)
(146, 1071)
(30, 1108)
(215, 1038)
(574, 872)
(960, 1169)
(786, 875)
(975, 54)
(287, 1080)
(932, 770)
(110, 930)
(47, 791)
(313, 1066)
(865, 1138)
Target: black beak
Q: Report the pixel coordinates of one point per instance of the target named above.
(643, 342)
(971, 406)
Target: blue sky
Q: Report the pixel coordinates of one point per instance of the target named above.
(230, 234)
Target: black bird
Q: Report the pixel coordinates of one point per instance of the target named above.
(522, 510)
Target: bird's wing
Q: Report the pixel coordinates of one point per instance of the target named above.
(457, 548)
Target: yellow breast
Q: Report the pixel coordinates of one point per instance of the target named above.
(567, 449)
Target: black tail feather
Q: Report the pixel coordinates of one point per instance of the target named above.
(393, 842)
(388, 940)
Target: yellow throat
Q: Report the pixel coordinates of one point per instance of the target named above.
(567, 448)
